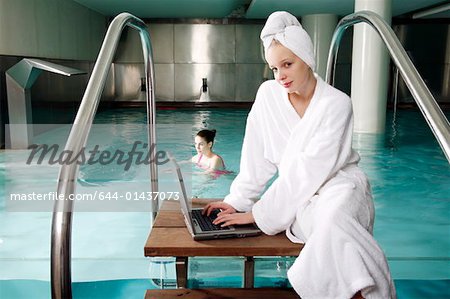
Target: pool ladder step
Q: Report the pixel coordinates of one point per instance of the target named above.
(222, 293)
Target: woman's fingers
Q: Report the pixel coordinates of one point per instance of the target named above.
(209, 207)
(217, 205)
(227, 219)
(234, 218)
(227, 210)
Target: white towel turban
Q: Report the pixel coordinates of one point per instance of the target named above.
(286, 29)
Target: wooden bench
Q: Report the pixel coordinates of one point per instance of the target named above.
(169, 237)
(225, 293)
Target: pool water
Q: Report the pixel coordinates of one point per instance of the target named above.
(135, 288)
(408, 172)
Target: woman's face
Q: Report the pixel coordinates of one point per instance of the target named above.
(288, 69)
(201, 145)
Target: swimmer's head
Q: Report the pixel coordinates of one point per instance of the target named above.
(208, 135)
(204, 140)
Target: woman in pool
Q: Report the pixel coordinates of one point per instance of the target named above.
(205, 157)
(301, 128)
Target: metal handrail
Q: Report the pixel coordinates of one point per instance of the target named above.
(62, 214)
(430, 109)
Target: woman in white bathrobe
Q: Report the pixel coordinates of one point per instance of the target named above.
(301, 128)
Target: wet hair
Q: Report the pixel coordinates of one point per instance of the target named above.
(208, 135)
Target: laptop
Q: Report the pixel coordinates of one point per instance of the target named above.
(200, 226)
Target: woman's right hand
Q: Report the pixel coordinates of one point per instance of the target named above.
(224, 207)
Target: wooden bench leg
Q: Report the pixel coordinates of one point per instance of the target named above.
(249, 272)
(181, 267)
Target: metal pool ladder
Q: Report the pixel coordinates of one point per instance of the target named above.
(61, 281)
(428, 106)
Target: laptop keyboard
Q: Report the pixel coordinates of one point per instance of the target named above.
(205, 222)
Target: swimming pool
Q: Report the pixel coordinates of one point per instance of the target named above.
(408, 173)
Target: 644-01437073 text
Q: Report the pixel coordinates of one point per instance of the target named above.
(143, 195)
(137, 195)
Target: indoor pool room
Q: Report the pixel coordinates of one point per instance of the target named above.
(107, 112)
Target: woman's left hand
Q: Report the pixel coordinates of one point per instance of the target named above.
(234, 218)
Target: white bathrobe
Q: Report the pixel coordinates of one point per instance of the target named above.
(320, 196)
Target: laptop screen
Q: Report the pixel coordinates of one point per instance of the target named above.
(183, 198)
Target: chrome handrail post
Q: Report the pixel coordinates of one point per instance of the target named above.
(151, 117)
(427, 104)
(62, 213)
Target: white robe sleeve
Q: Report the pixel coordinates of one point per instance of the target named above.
(308, 162)
(255, 170)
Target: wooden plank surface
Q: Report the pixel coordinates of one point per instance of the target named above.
(223, 293)
(170, 214)
(170, 237)
(169, 219)
(176, 241)
(174, 205)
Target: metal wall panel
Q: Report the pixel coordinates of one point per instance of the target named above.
(162, 42)
(207, 47)
(221, 81)
(248, 79)
(446, 82)
(248, 44)
(50, 87)
(129, 49)
(127, 82)
(164, 87)
(204, 43)
(109, 89)
(127, 79)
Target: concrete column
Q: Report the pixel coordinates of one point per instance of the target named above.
(320, 28)
(370, 70)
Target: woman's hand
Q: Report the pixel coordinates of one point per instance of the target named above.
(228, 215)
(224, 207)
(234, 218)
